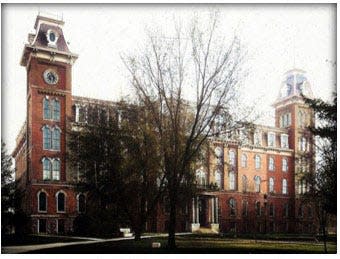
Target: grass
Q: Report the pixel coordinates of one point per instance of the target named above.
(197, 244)
(13, 240)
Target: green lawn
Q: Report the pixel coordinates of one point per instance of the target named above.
(197, 244)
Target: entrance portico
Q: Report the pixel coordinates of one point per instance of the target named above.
(205, 213)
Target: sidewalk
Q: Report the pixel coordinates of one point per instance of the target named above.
(28, 248)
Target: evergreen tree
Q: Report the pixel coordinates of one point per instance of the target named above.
(7, 190)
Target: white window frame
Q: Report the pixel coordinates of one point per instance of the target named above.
(284, 141)
(232, 180)
(57, 204)
(244, 160)
(284, 165)
(38, 197)
(284, 186)
(257, 162)
(218, 178)
(271, 184)
(271, 139)
(271, 164)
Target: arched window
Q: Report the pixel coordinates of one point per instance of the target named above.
(244, 161)
(232, 158)
(257, 162)
(46, 169)
(244, 183)
(81, 203)
(271, 164)
(232, 207)
(46, 137)
(47, 109)
(42, 201)
(284, 186)
(201, 177)
(231, 180)
(271, 184)
(284, 165)
(56, 110)
(257, 181)
(60, 201)
(56, 169)
(218, 178)
(258, 208)
(56, 139)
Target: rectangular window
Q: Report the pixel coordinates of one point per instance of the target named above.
(42, 225)
(284, 141)
(271, 139)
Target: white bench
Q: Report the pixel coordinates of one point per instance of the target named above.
(126, 232)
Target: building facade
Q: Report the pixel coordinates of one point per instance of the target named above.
(249, 182)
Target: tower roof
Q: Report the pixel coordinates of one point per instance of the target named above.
(48, 38)
(294, 84)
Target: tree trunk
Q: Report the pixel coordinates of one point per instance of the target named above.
(172, 221)
(324, 234)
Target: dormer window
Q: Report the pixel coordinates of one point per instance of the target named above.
(52, 38)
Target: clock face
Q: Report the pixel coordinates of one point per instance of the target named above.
(51, 77)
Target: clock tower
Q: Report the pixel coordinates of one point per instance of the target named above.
(292, 113)
(49, 198)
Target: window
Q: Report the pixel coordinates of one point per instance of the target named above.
(284, 165)
(271, 184)
(257, 181)
(271, 210)
(47, 109)
(60, 201)
(244, 208)
(56, 139)
(46, 137)
(244, 183)
(51, 109)
(300, 211)
(231, 180)
(271, 164)
(81, 203)
(232, 206)
(56, 110)
(286, 210)
(46, 169)
(285, 120)
(302, 144)
(56, 169)
(258, 138)
(257, 162)
(258, 208)
(271, 139)
(284, 141)
(232, 158)
(244, 159)
(42, 202)
(219, 155)
(218, 178)
(284, 186)
(309, 212)
(41, 225)
(201, 177)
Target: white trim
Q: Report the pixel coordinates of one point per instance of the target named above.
(38, 198)
(65, 198)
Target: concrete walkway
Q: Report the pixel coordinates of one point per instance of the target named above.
(29, 248)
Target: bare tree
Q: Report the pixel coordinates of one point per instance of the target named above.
(188, 85)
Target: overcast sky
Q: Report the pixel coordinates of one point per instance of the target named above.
(276, 38)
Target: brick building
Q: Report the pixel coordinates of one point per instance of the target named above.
(249, 182)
